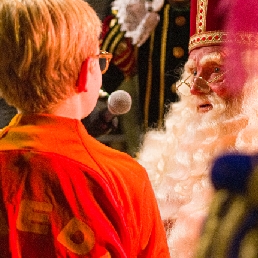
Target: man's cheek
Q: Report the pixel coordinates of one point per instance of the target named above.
(226, 90)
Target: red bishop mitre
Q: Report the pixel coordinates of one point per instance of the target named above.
(207, 23)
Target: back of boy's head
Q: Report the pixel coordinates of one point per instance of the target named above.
(43, 44)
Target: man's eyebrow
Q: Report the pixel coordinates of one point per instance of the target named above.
(214, 57)
(191, 64)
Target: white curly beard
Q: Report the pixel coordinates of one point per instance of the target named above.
(178, 162)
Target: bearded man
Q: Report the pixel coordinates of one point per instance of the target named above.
(203, 124)
(231, 227)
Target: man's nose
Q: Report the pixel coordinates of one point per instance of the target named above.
(199, 86)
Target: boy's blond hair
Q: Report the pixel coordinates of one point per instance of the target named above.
(43, 44)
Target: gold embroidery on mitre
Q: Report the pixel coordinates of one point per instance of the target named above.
(218, 37)
(246, 38)
(207, 38)
(202, 6)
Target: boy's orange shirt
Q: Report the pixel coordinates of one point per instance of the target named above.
(64, 194)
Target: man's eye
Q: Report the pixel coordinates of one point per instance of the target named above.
(217, 69)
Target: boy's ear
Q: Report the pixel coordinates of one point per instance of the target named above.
(82, 78)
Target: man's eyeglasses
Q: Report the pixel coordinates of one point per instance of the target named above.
(104, 60)
(184, 87)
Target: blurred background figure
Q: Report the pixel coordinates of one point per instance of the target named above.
(160, 32)
(203, 124)
(160, 60)
(231, 227)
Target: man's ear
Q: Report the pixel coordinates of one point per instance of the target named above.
(83, 75)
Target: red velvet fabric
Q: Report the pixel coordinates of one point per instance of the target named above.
(207, 22)
(215, 19)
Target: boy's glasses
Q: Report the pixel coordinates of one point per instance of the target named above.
(104, 60)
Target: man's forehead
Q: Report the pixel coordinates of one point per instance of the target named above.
(203, 56)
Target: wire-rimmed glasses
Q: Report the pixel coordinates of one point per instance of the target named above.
(184, 87)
